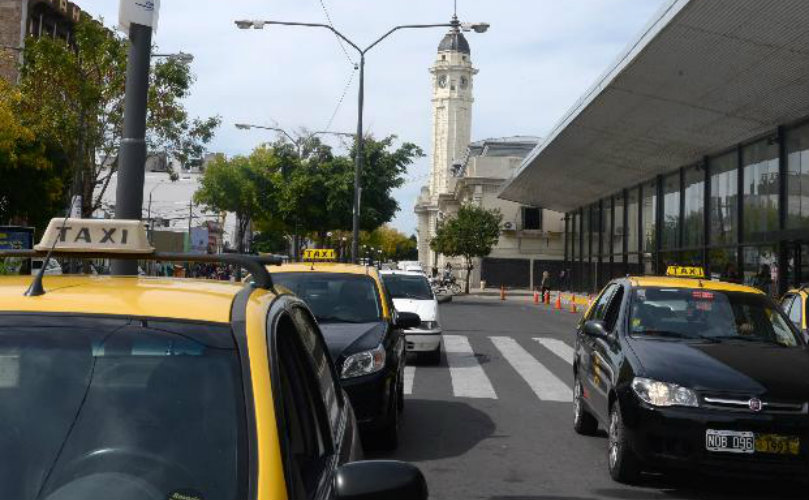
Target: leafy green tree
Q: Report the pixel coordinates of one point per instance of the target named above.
(72, 97)
(469, 234)
(238, 186)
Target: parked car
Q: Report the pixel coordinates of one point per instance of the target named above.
(411, 292)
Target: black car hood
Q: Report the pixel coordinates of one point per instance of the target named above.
(727, 367)
(345, 339)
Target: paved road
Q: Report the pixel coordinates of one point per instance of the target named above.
(493, 421)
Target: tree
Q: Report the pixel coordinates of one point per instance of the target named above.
(72, 97)
(393, 243)
(238, 186)
(33, 173)
(471, 233)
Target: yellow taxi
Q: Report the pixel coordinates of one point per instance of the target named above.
(364, 335)
(686, 373)
(794, 304)
(167, 388)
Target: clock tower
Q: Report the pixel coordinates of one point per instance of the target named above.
(452, 84)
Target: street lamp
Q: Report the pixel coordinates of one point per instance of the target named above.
(297, 142)
(181, 57)
(454, 24)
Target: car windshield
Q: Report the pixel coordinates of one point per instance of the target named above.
(119, 408)
(335, 297)
(404, 286)
(709, 315)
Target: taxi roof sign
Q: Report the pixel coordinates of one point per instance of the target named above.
(685, 272)
(96, 236)
(320, 254)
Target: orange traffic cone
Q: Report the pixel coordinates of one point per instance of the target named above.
(502, 292)
(547, 298)
(536, 297)
(558, 305)
(573, 309)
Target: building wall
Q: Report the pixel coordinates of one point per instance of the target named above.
(11, 25)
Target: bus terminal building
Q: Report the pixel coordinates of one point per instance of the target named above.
(692, 149)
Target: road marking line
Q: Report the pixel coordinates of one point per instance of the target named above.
(468, 378)
(559, 348)
(544, 383)
(409, 375)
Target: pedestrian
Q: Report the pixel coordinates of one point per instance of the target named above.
(763, 280)
(545, 284)
(448, 272)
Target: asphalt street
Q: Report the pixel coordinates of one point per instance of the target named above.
(494, 420)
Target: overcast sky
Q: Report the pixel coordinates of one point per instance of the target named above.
(537, 59)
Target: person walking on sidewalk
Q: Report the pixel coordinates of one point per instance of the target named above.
(545, 284)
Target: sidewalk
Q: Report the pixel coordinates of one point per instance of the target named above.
(523, 294)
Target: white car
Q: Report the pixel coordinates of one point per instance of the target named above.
(53, 267)
(411, 292)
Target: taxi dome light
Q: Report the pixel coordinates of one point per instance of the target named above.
(96, 236)
(685, 272)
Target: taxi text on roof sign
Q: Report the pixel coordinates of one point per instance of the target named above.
(685, 272)
(321, 254)
(96, 235)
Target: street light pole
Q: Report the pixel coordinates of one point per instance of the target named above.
(132, 153)
(259, 24)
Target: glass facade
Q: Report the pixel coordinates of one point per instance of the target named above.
(694, 207)
(760, 193)
(797, 146)
(724, 195)
(743, 215)
(671, 211)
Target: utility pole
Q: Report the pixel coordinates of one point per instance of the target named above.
(132, 154)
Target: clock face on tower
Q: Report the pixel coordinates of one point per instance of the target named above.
(464, 82)
(442, 81)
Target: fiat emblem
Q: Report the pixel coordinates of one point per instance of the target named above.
(755, 404)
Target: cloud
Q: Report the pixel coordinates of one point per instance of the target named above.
(535, 62)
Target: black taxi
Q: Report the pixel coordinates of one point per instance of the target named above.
(687, 373)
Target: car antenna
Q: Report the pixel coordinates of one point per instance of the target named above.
(36, 289)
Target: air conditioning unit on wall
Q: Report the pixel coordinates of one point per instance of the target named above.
(508, 226)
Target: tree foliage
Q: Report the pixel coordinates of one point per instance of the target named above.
(473, 232)
(394, 244)
(72, 96)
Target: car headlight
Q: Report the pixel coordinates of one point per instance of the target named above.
(364, 363)
(428, 325)
(663, 393)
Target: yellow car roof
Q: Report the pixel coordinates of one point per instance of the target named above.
(323, 267)
(720, 286)
(196, 300)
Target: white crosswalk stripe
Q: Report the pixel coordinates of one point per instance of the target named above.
(409, 376)
(468, 378)
(545, 384)
(557, 347)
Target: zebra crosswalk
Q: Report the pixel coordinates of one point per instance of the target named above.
(470, 380)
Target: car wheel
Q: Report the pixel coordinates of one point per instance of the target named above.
(432, 357)
(623, 464)
(583, 421)
(455, 288)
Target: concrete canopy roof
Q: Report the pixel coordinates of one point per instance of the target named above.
(703, 76)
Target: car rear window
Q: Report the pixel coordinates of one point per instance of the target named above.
(335, 297)
(403, 286)
(118, 408)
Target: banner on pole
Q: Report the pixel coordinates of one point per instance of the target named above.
(144, 12)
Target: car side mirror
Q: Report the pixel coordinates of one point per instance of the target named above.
(379, 479)
(407, 320)
(596, 329)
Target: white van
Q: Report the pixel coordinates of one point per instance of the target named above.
(411, 292)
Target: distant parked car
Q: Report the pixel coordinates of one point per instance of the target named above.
(53, 267)
(411, 292)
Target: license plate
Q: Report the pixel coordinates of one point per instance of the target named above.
(730, 441)
(748, 443)
(778, 445)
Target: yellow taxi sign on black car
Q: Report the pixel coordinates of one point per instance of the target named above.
(685, 272)
(319, 255)
(96, 235)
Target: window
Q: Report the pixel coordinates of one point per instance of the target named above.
(798, 177)
(406, 286)
(531, 218)
(633, 231)
(761, 185)
(671, 211)
(724, 193)
(618, 237)
(118, 392)
(335, 297)
(614, 309)
(600, 309)
(694, 216)
(795, 310)
(649, 216)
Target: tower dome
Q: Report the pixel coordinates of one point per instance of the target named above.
(454, 41)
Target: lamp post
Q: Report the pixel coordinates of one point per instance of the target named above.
(181, 57)
(297, 142)
(455, 24)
